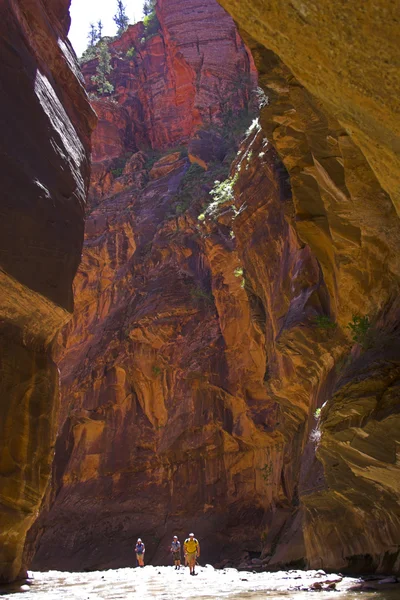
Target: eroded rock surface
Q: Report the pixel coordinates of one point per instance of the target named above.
(45, 123)
(193, 71)
(210, 327)
(331, 115)
(335, 50)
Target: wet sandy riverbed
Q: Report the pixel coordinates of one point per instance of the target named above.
(165, 583)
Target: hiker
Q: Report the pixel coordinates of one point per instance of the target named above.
(140, 550)
(191, 549)
(176, 552)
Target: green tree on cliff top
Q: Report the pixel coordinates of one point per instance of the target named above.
(104, 68)
(99, 29)
(120, 18)
(149, 7)
(92, 35)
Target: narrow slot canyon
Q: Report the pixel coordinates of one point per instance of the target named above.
(199, 307)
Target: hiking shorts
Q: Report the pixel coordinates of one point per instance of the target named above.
(191, 557)
(176, 555)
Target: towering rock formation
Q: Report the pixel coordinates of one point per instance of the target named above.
(212, 324)
(189, 73)
(45, 125)
(333, 115)
(163, 425)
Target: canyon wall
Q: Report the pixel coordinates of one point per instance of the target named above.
(210, 376)
(332, 115)
(155, 432)
(45, 123)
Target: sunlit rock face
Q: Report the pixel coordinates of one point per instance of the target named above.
(201, 347)
(169, 84)
(166, 421)
(331, 114)
(336, 50)
(46, 122)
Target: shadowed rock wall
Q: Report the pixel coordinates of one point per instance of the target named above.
(45, 124)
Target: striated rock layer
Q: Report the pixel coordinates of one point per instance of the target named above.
(165, 422)
(194, 71)
(336, 50)
(210, 327)
(338, 138)
(45, 124)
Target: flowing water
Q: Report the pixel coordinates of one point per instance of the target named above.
(165, 583)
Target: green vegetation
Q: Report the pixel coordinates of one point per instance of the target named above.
(317, 413)
(131, 52)
(89, 54)
(148, 7)
(360, 328)
(120, 18)
(118, 164)
(155, 369)
(238, 272)
(152, 156)
(195, 183)
(151, 25)
(95, 35)
(222, 193)
(324, 322)
(92, 35)
(104, 68)
(266, 472)
(191, 179)
(223, 190)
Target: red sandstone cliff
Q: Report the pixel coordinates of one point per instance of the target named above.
(201, 349)
(151, 398)
(45, 123)
(188, 75)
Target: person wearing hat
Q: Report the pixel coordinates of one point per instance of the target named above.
(140, 550)
(191, 550)
(176, 552)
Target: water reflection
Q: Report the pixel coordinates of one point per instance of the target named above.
(165, 583)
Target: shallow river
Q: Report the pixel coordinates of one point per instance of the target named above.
(165, 583)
